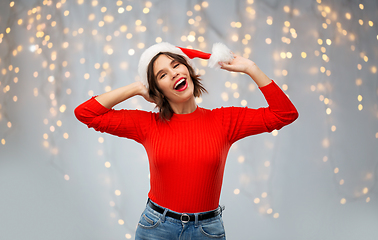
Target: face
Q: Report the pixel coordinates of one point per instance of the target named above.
(173, 79)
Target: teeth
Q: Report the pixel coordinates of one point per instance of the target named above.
(179, 82)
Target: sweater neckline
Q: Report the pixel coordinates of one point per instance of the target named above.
(188, 116)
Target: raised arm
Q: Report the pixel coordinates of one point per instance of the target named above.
(246, 121)
(97, 113)
(118, 95)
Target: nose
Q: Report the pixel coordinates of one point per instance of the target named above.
(174, 74)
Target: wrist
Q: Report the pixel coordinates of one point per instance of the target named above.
(253, 70)
(138, 88)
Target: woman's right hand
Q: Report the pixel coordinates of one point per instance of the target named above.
(144, 93)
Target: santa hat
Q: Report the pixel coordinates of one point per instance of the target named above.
(220, 53)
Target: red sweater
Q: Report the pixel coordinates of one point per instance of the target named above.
(187, 155)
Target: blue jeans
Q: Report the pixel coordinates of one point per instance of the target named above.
(154, 225)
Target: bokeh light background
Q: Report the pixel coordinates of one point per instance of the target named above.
(314, 179)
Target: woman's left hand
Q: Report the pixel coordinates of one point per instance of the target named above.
(238, 64)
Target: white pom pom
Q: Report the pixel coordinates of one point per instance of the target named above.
(220, 53)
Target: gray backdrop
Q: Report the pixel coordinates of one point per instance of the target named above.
(314, 179)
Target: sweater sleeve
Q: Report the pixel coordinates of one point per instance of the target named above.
(242, 122)
(133, 124)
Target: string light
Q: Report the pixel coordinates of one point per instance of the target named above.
(42, 43)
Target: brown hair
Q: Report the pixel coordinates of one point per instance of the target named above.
(156, 94)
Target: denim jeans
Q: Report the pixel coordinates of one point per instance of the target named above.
(154, 225)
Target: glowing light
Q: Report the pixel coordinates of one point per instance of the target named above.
(129, 8)
(256, 200)
(325, 143)
(269, 211)
(62, 108)
(109, 51)
(274, 132)
(343, 201)
(365, 190)
(286, 9)
(197, 7)
(128, 236)
(234, 37)
(358, 81)
(303, 55)
(131, 52)
(107, 164)
(146, 10)
(105, 65)
(65, 135)
(269, 20)
(333, 128)
(336, 170)
(224, 96)
(276, 215)
(268, 41)
(241, 159)
(117, 192)
(124, 65)
(236, 191)
(108, 89)
(266, 163)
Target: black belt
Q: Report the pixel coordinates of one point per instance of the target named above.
(184, 217)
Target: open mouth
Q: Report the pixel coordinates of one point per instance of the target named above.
(181, 85)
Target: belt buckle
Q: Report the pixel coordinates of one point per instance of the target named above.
(185, 215)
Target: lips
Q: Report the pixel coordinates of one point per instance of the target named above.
(181, 84)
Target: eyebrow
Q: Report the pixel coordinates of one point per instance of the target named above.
(172, 62)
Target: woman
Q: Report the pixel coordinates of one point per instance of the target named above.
(186, 145)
